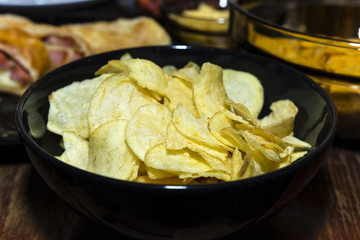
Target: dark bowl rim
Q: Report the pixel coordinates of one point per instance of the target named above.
(27, 140)
(234, 3)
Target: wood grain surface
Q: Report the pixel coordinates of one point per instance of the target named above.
(328, 208)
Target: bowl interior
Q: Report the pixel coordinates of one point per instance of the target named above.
(315, 122)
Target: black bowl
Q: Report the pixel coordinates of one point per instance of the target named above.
(146, 211)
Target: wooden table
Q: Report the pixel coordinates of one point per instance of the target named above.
(328, 208)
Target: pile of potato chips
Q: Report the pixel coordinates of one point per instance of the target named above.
(141, 122)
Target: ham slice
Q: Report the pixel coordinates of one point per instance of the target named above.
(5, 64)
(57, 57)
(18, 73)
(62, 50)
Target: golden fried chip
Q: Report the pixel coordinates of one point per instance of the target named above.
(281, 109)
(179, 92)
(76, 150)
(216, 157)
(169, 69)
(174, 139)
(245, 88)
(237, 118)
(148, 75)
(297, 143)
(175, 161)
(113, 66)
(241, 167)
(255, 143)
(109, 155)
(188, 73)
(209, 91)
(153, 173)
(243, 112)
(259, 162)
(282, 127)
(126, 57)
(218, 122)
(297, 155)
(69, 107)
(117, 97)
(234, 138)
(147, 128)
(196, 129)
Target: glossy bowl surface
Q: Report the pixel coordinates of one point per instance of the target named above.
(320, 38)
(146, 211)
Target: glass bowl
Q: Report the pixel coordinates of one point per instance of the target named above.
(321, 38)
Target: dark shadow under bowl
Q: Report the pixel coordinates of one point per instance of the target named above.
(146, 211)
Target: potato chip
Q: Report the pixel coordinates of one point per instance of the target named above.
(254, 143)
(282, 127)
(216, 157)
(179, 92)
(245, 88)
(175, 161)
(296, 155)
(237, 118)
(69, 107)
(147, 128)
(153, 173)
(260, 164)
(243, 112)
(174, 139)
(148, 75)
(234, 138)
(193, 128)
(109, 155)
(188, 73)
(241, 167)
(76, 150)
(297, 143)
(209, 91)
(117, 97)
(218, 122)
(114, 66)
(281, 109)
(272, 145)
(169, 69)
(126, 57)
(268, 136)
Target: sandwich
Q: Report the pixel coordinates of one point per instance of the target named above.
(23, 59)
